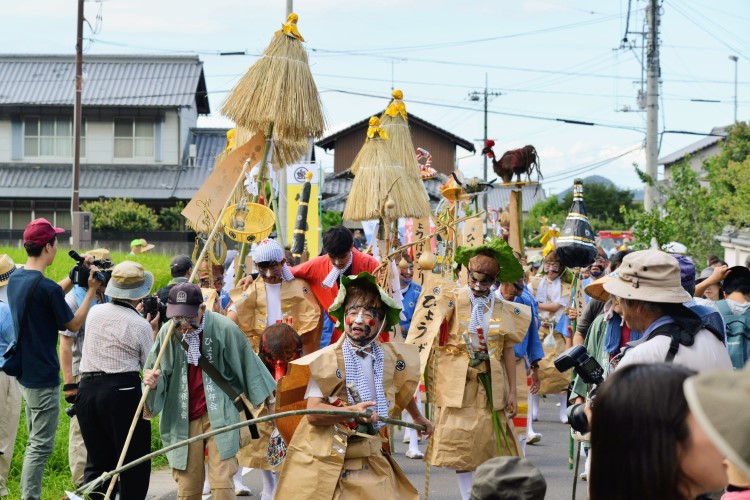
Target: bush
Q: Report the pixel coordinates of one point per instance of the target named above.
(171, 219)
(121, 214)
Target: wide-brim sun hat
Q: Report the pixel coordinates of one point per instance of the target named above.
(129, 281)
(649, 276)
(596, 290)
(366, 280)
(720, 402)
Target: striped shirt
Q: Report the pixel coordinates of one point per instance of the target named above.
(118, 340)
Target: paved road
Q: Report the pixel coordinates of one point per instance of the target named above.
(550, 455)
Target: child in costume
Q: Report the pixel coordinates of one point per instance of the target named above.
(330, 457)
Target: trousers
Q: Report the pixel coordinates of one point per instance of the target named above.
(42, 415)
(10, 402)
(105, 406)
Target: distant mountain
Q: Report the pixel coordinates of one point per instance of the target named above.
(591, 179)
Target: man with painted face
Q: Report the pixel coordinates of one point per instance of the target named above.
(330, 457)
(276, 296)
(191, 403)
(325, 271)
(471, 424)
(553, 295)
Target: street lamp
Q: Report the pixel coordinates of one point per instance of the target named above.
(735, 59)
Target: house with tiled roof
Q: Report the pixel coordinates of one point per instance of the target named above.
(139, 135)
(696, 153)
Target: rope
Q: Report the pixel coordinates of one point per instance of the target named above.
(431, 377)
(89, 487)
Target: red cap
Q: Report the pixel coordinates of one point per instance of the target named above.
(39, 232)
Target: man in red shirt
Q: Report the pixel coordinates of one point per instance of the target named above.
(324, 272)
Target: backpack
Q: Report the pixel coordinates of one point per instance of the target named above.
(738, 334)
(683, 332)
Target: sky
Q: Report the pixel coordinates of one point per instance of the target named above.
(547, 60)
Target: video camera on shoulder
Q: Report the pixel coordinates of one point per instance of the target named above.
(590, 372)
(79, 275)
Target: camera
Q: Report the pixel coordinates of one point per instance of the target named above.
(70, 411)
(152, 305)
(590, 372)
(79, 275)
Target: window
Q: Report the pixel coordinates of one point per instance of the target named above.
(50, 137)
(134, 138)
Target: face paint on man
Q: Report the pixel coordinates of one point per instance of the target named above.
(361, 323)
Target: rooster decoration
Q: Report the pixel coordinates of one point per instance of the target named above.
(516, 161)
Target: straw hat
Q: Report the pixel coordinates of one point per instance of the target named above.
(7, 266)
(650, 276)
(140, 242)
(720, 402)
(129, 281)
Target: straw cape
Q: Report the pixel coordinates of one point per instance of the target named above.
(377, 177)
(278, 92)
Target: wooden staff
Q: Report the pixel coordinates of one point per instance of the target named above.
(168, 335)
(88, 487)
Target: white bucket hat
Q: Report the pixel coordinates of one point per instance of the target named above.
(650, 276)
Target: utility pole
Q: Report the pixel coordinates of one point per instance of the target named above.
(74, 207)
(281, 232)
(652, 103)
(476, 96)
(735, 59)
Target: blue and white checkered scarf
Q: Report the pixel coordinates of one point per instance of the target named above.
(193, 340)
(354, 374)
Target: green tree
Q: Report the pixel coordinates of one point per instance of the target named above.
(689, 215)
(604, 207)
(121, 214)
(171, 219)
(729, 177)
(331, 219)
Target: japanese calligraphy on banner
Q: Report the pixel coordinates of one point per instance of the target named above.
(420, 228)
(435, 304)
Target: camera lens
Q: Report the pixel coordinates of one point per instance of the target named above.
(577, 418)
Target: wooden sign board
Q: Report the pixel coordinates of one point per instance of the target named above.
(217, 189)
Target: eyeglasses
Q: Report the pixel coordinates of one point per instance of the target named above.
(368, 313)
(267, 265)
(483, 281)
(180, 320)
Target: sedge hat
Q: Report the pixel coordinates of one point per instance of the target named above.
(39, 232)
(185, 299)
(129, 281)
(649, 276)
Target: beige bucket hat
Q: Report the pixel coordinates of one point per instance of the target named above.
(650, 276)
(7, 267)
(130, 281)
(720, 402)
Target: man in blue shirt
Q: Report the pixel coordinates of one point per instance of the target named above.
(528, 352)
(40, 365)
(10, 394)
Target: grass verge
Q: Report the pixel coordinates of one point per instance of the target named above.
(57, 474)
